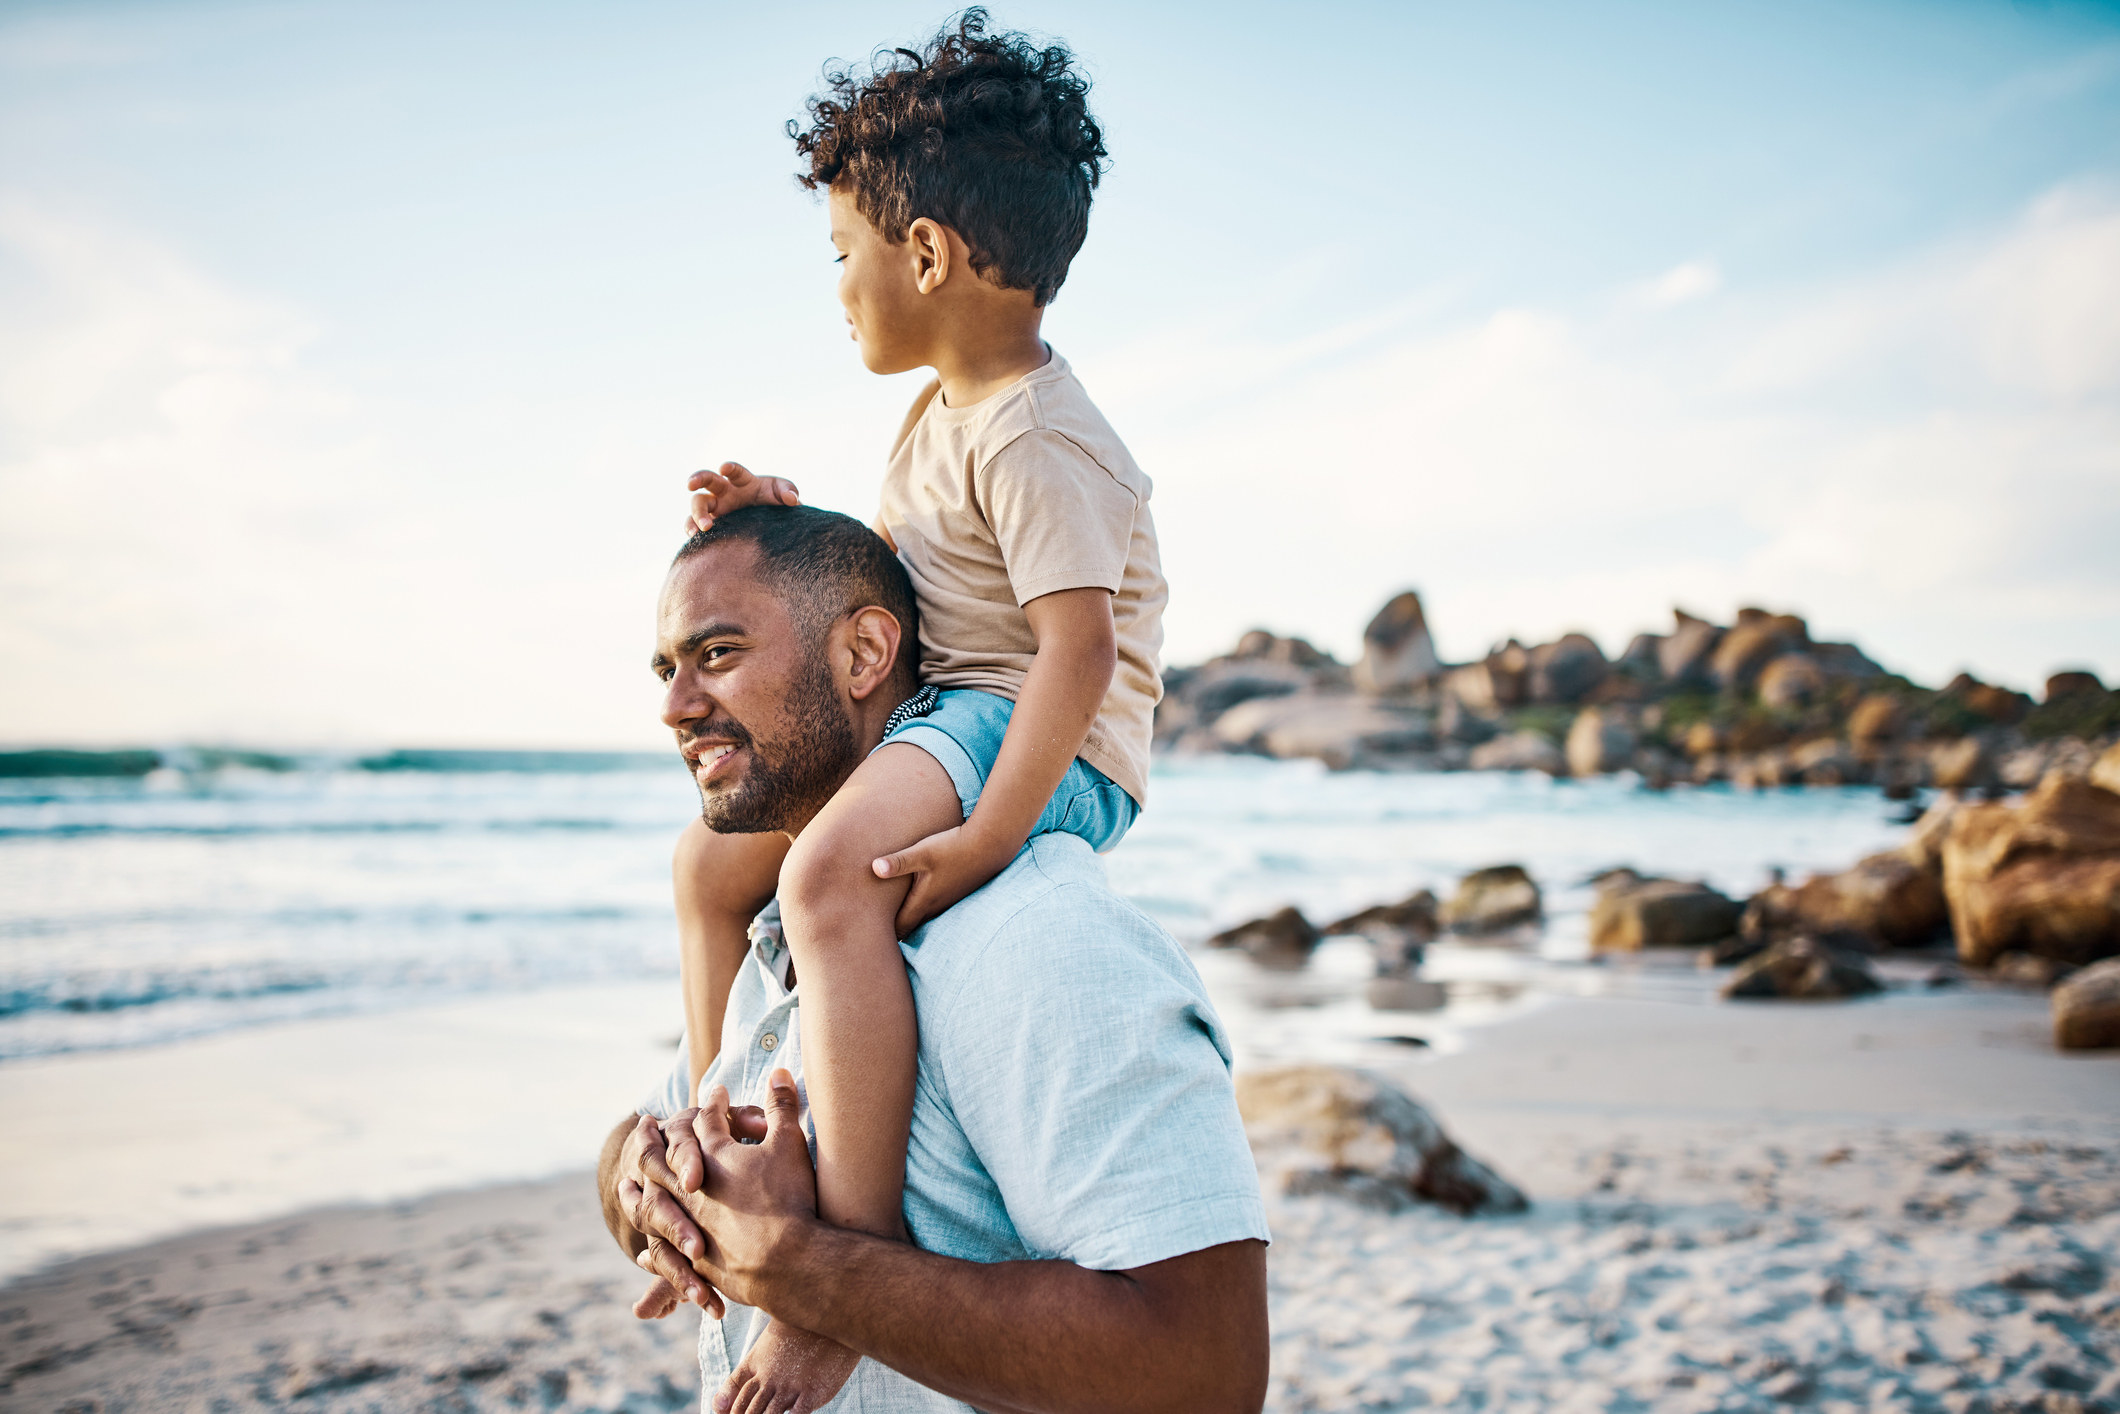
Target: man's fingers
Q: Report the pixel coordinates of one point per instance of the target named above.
(683, 1154)
(657, 1214)
(747, 1123)
(658, 1301)
(660, 1259)
(783, 1108)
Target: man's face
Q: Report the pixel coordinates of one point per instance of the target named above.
(878, 287)
(760, 723)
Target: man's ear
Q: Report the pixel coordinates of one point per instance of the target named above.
(874, 636)
(929, 245)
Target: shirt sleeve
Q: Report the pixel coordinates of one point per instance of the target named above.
(1060, 519)
(669, 1095)
(1091, 1076)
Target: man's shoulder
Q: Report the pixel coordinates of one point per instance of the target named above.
(1050, 913)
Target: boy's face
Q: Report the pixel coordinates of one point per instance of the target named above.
(879, 285)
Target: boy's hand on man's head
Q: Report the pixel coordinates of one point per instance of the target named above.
(731, 487)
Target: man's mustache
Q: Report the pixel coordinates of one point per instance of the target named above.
(713, 729)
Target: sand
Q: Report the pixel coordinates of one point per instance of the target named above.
(1912, 1203)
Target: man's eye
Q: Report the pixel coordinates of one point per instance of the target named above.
(714, 653)
(839, 260)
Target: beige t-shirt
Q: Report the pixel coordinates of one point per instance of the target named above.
(1025, 493)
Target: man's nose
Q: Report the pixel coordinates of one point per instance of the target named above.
(684, 700)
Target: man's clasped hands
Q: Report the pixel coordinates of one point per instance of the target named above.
(716, 1195)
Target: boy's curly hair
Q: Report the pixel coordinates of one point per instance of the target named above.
(988, 134)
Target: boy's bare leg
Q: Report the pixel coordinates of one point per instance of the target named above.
(860, 1042)
(719, 883)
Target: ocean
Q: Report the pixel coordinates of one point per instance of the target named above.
(142, 910)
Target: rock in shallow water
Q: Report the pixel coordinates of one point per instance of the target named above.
(1327, 1129)
(1632, 913)
(2087, 1008)
(1493, 899)
(1282, 941)
(1802, 969)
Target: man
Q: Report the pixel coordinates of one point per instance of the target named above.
(1087, 1216)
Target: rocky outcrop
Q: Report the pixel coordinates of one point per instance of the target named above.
(1397, 652)
(1601, 740)
(1520, 751)
(2105, 772)
(1761, 705)
(1340, 729)
(1802, 969)
(2041, 877)
(1567, 670)
(2087, 1008)
(1326, 1129)
(1492, 900)
(1632, 913)
(1282, 941)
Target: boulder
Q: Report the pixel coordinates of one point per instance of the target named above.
(1875, 720)
(1840, 661)
(1963, 764)
(1414, 915)
(1397, 931)
(1802, 969)
(1568, 670)
(1683, 655)
(1338, 728)
(2105, 771)
(1492, 899)
(1456, 722)
(1643, 658)
(1397, 652)
(1600, 741)
(1261, 645)
(1824, 763)
(2041, 876)
(2072, 683)
(1757, 639)
(2087, 1008)
(1282, 941)
(1632, 913)
(2021, 969)
(1520, 751)
(1887, 900)
(1702, 739)
(1791, 680)
(1328, 1129)
(1997, 704)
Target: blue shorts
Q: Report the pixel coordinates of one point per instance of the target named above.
(963, 731)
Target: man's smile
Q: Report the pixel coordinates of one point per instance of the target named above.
(710, 760)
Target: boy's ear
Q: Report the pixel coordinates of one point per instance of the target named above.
(929, 245)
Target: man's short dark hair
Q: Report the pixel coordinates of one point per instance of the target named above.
(988, 134)
(825, 566)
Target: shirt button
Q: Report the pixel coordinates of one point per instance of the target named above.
(768, 1041)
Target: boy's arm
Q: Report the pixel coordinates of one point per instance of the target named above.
(1078, 651)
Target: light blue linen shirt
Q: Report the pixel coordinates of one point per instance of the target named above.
(1073, 1101)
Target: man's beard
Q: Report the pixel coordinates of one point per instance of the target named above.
(809, 761)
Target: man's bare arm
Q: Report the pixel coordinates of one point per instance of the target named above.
(1027, 1337)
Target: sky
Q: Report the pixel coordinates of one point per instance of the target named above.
(353, 355)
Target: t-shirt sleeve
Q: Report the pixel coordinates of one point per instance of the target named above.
(1060, 519)
(1088, 1071)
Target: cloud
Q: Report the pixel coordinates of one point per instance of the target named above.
(1927, 458)
(1690, 281)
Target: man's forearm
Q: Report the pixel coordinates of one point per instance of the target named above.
(1038, 1337)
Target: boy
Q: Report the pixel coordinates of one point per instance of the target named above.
(959, 185)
